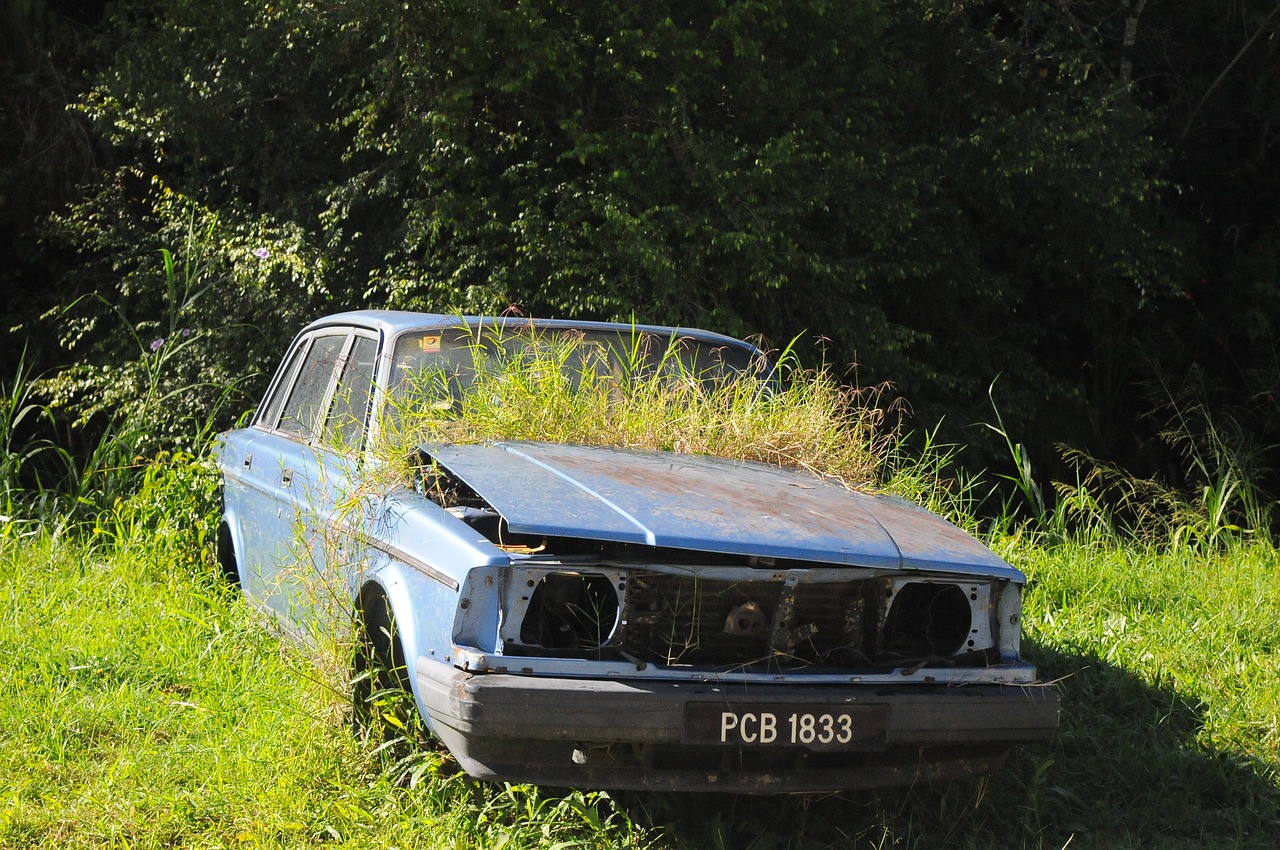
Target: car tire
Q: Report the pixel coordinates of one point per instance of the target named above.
(382, 704)
(226, 552)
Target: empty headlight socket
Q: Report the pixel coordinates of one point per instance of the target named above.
(562, 611)
(936, 617)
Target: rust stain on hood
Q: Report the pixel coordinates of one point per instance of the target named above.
(709, 504)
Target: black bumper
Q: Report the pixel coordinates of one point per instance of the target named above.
(628, 734)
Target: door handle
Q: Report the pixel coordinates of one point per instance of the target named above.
(286, 477)
(248, 461)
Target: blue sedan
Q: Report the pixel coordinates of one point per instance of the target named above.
(609, 618)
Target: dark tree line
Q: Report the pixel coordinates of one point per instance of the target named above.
(1072, 199)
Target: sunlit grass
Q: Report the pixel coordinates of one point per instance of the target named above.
(165, 718)
(786, 416)
(142, 705)
(1169, 660)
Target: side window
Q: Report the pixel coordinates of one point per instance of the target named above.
(302, 411)
(269, 413)
(350, 410)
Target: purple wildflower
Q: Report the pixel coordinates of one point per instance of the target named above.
(156, 343)
(186, 332)
(262, 253)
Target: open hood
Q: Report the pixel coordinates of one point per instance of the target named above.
(709, 504)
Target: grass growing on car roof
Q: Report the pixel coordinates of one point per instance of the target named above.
(551, 390)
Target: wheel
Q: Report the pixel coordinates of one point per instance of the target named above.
(382, 701)
(227, 555)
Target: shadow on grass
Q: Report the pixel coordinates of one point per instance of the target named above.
(1126, 769)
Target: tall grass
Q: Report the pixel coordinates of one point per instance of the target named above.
(142, 706)
(1171, 690)
(153, 395)
(785, 416)
(33, 469)
(1214, 501)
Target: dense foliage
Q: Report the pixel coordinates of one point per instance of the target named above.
(1072, 198)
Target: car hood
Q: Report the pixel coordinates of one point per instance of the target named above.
(709, 504)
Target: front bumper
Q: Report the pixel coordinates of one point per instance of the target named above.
(628, 734)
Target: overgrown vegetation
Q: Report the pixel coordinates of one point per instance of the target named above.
(944, 191)
(553, 387)
(32, 468)
(643, 395)
(159, 713)
(144, 706)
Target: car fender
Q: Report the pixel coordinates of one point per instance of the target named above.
(424, 610)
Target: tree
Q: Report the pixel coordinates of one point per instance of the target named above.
(942, 192)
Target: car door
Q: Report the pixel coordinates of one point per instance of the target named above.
(252, 475)
(283, 513)
(340, 453)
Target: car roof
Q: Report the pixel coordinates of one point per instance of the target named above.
(395, 322)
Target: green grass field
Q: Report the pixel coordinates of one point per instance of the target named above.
(142, 706)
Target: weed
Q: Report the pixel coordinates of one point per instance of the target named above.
(27, 460)
(1221, 469)
(156, 402)
(1221, 503)
(653, 399)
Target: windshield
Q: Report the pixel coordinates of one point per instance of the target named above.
(456, 355)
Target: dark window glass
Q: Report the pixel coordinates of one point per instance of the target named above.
(302, 410)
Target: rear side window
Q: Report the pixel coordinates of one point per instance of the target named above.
(347, 418)
(302, 411)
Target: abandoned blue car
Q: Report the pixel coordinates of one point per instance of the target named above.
(610, 618)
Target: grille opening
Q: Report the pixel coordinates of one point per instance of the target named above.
(750, 625)
(683, 620)
(571, 611)
(927, 620)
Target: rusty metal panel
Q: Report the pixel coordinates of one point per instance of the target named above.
(708, 504)
(926, 540)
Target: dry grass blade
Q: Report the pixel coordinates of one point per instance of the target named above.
(551, 391)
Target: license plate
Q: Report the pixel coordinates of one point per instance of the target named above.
(856, 727)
